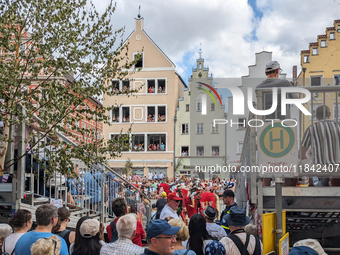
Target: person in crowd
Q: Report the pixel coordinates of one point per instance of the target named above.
(307, 246)
(251, 229)
(199, 237)
(126, 228)
(5, 231)
(215, 231)
(60, 228)
(169, 210)
(46, 218)
(89, 237)
(236, 241)
(92, 182)
(21, 222)
(215, 248)
(323, 135)
(46, 246)
(161, 238)
(182, 236)
(161, 202)
(119, 208)
(228, 200)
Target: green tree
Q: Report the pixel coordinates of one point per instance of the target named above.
(128, 167)
(55, 54)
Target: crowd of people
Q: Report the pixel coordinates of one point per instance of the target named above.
(172, 230)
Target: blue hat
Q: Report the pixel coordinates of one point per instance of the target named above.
(158, 227)
(215, 248)
(237, 217)
(302, 250)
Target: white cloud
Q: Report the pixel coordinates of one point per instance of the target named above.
(226, 28)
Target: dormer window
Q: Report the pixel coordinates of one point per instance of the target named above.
(306, 59)
(315, 51)
(323, 43)
(332, 36)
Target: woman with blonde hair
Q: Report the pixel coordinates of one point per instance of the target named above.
(46, 246)
(181, 236)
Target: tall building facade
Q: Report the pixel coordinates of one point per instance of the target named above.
(320, 66)
(200, 146)
(150, 111)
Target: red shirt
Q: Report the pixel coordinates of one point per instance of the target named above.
(140, 233)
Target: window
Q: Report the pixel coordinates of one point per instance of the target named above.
(126, 114)
(315, 105)
(213, 107)
(315, 80)
(199, 128)
(156, 86)
(185, 151)
(122, 86)
(115, 115)
(139, 58)
(214, 130)
(186, 107)
(83, 125)
(200, 151)
(156, 142)
(315, 51)
(336, 79)
(125, 85)
(336, 111)
(185, 128)
(138, 142)
(306, 59)
(121, 141)
(115, 86)
(161, 86)
(161, 114)
(332, 36)
(215, 151)
(239, 147)
(151, 86)
(151, 114)
(338, 29)
(241, 122)
(198, 106)
(323, 43)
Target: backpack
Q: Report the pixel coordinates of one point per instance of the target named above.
(114, 232)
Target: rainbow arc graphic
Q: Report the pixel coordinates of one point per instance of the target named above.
(204, 98)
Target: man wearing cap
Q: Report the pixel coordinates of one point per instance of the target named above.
(237, 240)
(161, 238)
(170, 208)
(228, 200)
(46, 219)
(214, 230)
(272, 72)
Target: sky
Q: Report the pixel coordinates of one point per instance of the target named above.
(228, 32)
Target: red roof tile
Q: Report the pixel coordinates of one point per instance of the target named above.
(314, 44)
(322, 36)
(305, 52)
(330, 28)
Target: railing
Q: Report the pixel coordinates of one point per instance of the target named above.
(91, 191)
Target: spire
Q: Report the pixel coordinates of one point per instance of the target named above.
(200, 51)
(139, 16)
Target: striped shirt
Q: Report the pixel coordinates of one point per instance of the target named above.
(324, 139)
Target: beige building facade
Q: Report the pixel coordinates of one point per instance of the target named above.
(150, 111)
(320, 66)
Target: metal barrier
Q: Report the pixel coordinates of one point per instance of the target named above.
(89, 192)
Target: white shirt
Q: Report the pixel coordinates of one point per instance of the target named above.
(231, 248)
(216, 230)
(168, 212)
(150, 175)
(10, 242)
(205, 243)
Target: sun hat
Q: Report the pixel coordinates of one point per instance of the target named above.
(237, 217)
